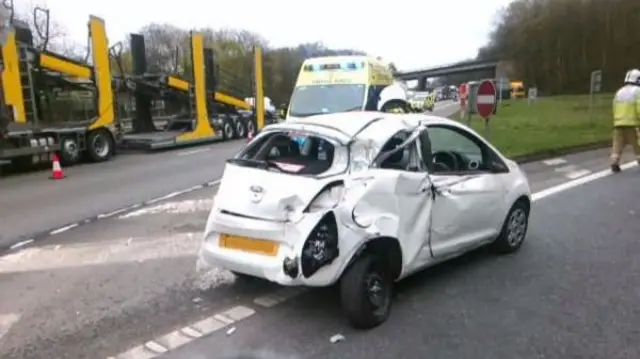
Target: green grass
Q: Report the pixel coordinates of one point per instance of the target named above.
(548, 124)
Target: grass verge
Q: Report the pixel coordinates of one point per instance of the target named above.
(547, 125)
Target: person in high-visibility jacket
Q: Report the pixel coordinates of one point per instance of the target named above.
(429, 102)
(626, 118)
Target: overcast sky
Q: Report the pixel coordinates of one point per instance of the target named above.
(427, 33)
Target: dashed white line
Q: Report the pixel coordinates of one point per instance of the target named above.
(193, 152)
(156, 347)
(577, 174)
(213, 183)
(21, 244)
(116, 212)
(566, 169)
(554, 161)
(577, 182)
(63, 229)
(166, 196)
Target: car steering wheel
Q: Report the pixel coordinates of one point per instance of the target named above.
(446, 159)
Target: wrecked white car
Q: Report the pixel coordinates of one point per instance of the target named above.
(363, 200)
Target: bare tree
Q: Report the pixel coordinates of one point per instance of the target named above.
(555, 44)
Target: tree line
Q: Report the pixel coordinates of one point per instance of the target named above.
(556, 44)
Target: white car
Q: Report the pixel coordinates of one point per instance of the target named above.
(363, 199)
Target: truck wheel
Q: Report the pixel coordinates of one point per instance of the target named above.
(366, 290)
(69, 151)
(228, 133)
(241, 128)
(251, 127)
(100, 146)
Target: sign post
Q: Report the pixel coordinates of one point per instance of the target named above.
(532, 94)
(596, 81)
(485, 101)
(503, 84)
(462, 94)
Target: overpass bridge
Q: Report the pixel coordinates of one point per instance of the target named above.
(473, 70)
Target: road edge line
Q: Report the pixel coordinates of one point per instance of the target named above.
(21, 242)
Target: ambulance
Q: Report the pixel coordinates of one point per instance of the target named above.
(346, 83)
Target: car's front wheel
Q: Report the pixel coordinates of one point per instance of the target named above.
(366, 291)
(514, 229)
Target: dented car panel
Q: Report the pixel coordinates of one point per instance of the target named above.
(394, 205)
(305, 227)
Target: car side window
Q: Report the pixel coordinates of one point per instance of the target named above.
(406, 158)
(456, 151)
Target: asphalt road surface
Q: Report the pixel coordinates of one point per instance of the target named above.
(107, 287)
(31, 203)
(571, 292)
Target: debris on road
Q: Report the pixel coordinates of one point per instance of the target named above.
(336, 338)
(231, 330)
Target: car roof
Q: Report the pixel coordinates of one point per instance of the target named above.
(376, 126)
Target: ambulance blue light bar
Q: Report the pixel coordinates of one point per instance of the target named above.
(335, 66)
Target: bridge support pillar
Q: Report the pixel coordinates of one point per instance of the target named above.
(422, 83)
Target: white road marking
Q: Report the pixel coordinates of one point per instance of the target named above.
(63, 229)
(577, 182)
(566, 169)
(193, 152)
(577, 173)
(176, 207)
(21, 244)
(6, 322)
(554, 161)
(572, 171)
(180, 337)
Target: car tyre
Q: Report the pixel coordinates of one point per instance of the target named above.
(514, 229)
(366, 292)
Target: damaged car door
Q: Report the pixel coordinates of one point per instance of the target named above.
(397, 199)
(467, 209)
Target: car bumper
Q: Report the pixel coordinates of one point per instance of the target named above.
(290, 237)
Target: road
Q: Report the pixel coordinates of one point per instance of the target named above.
(111, 285)
(31, 205)
(572, 292)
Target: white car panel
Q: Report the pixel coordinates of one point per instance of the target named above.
(433, 217)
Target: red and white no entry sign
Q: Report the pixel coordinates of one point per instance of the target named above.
(486, 98)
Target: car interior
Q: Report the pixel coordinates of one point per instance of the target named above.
(315, 156)
(444, 150)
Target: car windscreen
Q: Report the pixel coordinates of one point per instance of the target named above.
(295, 153)
(323, 99)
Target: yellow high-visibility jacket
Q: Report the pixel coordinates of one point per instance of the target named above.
(626, 107)
(429, 102)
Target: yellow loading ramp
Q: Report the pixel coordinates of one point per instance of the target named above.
(99, 77)
(202, 132)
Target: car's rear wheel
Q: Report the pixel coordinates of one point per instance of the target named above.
(366, 291)
(514, 229)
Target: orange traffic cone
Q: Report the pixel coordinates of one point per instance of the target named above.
(56, 173)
